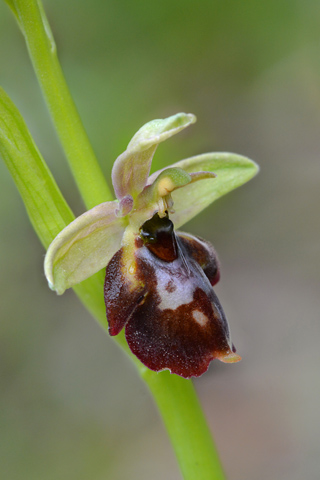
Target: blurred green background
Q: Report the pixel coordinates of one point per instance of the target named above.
(71, 405)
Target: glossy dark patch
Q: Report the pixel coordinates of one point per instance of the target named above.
(158, 236)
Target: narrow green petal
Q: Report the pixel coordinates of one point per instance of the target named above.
(84, 247)
(168, 180)
(157, 196)
(131, 169)
(231, 171)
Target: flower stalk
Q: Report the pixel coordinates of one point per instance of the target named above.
(186, 425)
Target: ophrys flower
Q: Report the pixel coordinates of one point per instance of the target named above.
(158, 282)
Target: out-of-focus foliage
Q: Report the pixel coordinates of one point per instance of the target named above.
(70, 405)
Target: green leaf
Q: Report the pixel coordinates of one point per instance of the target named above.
(46, 207)
(231, 171)
(11, 5)
(84, 247)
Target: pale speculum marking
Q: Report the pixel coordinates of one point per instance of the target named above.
(200, 317)
(180, 291)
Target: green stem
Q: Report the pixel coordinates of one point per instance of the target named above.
(186, 425)
(42, 49)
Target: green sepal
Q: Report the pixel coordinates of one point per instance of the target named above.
(84, 247)
(231, 171)
(131, 169)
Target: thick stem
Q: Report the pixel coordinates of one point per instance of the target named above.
(85, 168)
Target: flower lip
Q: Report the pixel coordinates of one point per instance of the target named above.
(172, 318)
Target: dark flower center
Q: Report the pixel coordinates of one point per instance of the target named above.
(159, 237)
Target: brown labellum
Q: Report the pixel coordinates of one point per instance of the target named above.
(165, 300)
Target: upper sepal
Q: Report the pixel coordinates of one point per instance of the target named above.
(84, 247)
(131, 169)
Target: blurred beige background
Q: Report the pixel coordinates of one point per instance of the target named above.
(71, 405)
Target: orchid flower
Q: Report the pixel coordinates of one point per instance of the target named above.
(158, 283)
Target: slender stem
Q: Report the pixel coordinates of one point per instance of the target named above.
(42, 49)
(186, 425)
